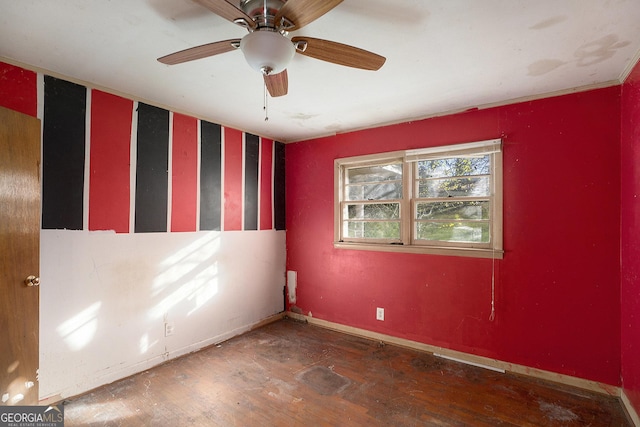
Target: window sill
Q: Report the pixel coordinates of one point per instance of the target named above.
(432, 250)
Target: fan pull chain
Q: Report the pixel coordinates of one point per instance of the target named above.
(265, 105)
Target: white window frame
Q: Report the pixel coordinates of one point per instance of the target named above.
(408, 158)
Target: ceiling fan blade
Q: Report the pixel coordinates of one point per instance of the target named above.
(228, 11)
(302, 12)
(277, 84)
(198, 52)
(338, 53)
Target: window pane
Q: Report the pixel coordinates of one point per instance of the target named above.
(382, 191)
(455, 166)
(478, 209)
(470, 232)
(377, 173)
(454, 187)
(374, 211)
(373, 229)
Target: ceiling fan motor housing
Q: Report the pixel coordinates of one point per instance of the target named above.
(263, 12)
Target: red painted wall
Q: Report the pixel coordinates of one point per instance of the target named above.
(109, 189)
(232, 179)
(266, 184)
(630, 242)
(558, 286)
(184, 173)
(18, 89)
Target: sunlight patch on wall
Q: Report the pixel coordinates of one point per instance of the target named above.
(205, 287)
(145, 345)
(197, 291)
(185, 260)
(190, 274)
(79, 330)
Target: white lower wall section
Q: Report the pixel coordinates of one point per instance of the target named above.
(105, 297)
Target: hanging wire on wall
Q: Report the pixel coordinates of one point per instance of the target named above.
(492, 316)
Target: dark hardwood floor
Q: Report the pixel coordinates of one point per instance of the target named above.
(293, 374)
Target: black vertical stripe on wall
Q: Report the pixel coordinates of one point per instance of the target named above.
(210, 176)
(278, 187)
(63, 154)
(251, 171)
(152, 176)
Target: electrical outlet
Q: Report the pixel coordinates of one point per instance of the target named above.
(379, 313)
(168, 329)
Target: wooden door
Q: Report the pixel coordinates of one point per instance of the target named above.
(19, 257)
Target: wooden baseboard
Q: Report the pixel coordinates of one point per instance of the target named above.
(465, 357)
(270, 319)
(633, 414)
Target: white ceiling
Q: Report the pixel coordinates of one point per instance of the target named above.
(442, 56)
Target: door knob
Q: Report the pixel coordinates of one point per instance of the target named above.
(32, 281)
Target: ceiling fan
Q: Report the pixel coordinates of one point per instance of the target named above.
(267, 48)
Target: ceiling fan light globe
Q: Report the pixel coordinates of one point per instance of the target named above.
(267, 50)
